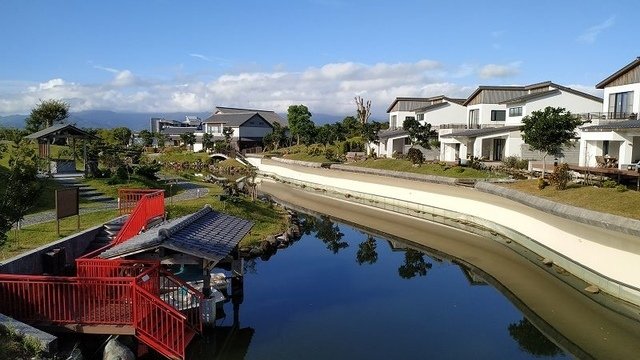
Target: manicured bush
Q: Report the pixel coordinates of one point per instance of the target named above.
(415, 156)
(148, 170)
(621, 188)
(560, 176)
(609, 184)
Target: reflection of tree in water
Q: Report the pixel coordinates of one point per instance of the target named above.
(531, 340)
(367, 251)
(414, 265)
(308, 224)
(330, 234)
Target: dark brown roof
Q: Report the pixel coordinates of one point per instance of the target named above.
(405, 99)
(269, 115)
(480, 88)
(234, 119)
(525, 98)
(61, 130)
(431, 107)
(618, 73)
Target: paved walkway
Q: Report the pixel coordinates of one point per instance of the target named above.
(191, 191)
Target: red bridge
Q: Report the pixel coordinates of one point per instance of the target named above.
(117, 296)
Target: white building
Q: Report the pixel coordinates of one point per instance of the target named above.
(495, 116)
(439, 111)
(249, 126)
(616, 131)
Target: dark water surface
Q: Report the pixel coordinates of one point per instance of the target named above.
(339, 293)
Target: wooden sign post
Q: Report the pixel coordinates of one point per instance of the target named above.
(67, 204)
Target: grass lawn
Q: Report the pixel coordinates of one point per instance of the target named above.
(604, 200)
(426, 169)
(180, 156)
(31, 237)
(306, 157)
(136, 182)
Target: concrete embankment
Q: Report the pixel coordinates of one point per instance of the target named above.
(599, 256)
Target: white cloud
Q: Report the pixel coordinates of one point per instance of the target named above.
(499, 71)
(200, 56)
(590, 35)
(107, 69)
(326, 89)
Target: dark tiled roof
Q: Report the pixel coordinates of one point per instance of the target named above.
(205, 234)
(270, 116)
(483, 87)
(617, 125)
(482, 132)
(431, 107)
(617, 74)
(178, 130)
(525, 98)
(233, 119)
(62, 129)
(395, 101)
(386, 134)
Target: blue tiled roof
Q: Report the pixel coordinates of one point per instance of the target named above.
(205, 234)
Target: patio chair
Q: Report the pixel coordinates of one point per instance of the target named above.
(600, 162)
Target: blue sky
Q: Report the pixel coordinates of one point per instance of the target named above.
(193, 55)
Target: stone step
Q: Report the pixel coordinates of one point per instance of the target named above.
(99, 198)
(113, 226)
(89, 193)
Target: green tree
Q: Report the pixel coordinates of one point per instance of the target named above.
(351, 126)
(188, 139)
(47, 113)
(548, 130)
(300, 123)
(161, 139)
(121, 135)
(370, 132)
(419, 134)
(277, 138)
(147, 137)
(227, 132)
(207, 141)
(21, 186)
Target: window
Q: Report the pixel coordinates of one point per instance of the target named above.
(407, 141)
(605, 147)
(214, 128)
(620, 105)
(420, 117)
(393, 122)
(515, 111)
(473, 118)
(498, 115)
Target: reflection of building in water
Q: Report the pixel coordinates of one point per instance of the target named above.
(472, 277)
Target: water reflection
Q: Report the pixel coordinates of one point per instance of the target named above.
(414, 265)
(367, 253)
(531, 340)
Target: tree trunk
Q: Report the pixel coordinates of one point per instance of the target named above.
(544, 165)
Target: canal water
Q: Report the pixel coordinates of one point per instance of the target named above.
(341, 293)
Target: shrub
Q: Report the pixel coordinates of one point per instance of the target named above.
(458, 169)
(609, 184)
(542, 183)
(621, 188)
(560, 176)
(415, 156)
(148, 170)
(514, 162)
(330, 153)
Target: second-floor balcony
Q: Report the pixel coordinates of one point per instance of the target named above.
(598, 118)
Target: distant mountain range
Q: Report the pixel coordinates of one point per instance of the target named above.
(134, 121)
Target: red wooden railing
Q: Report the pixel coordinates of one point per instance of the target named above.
(149, 206)
(164, 311)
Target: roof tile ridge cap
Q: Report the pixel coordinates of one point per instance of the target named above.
(168, 231)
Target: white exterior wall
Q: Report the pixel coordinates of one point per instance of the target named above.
(401, 115)
(574, 103)
(452, 114)
(620, 146)
(622, 88)
(484, 119)
(513, 145)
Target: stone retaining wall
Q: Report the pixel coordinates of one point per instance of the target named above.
(397, 174)
(298, 162)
